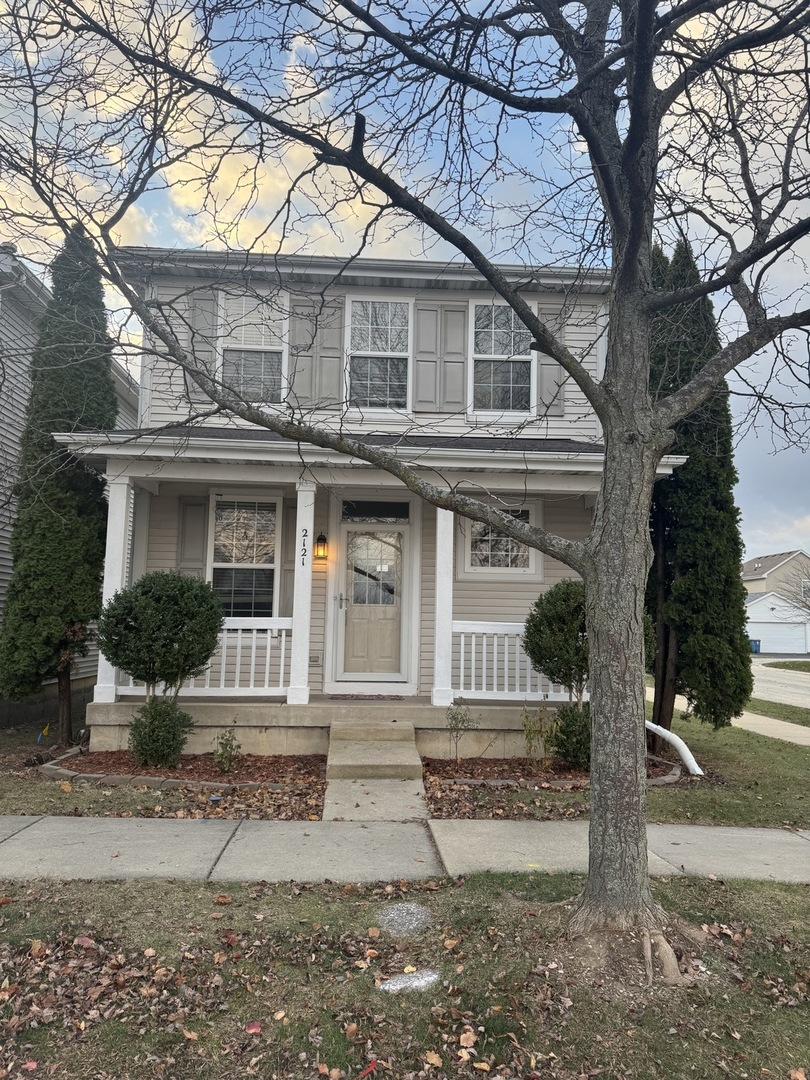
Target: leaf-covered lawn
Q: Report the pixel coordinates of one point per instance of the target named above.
(145, 979)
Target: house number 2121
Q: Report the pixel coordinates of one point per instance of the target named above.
(304, 546)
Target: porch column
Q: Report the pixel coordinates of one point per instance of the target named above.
(116, 564)
(442, 693)
(298, 690)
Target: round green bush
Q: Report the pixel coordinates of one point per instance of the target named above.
(572, 740)
(163, 629)
(555, 638)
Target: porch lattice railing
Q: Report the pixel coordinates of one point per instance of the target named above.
(252, 660)
(489, 663)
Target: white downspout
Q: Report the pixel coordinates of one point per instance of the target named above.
(677, 742)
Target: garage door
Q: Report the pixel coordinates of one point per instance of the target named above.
(779, 637)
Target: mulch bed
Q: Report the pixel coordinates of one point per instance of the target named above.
(521, 771)
(247, 768)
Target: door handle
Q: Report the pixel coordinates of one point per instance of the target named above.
(343, 601)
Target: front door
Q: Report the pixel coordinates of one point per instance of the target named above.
(372, 601)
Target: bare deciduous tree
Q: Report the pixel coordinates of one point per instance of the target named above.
(545, 132)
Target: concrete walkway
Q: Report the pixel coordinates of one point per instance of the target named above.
(351, 851)
(760, 725)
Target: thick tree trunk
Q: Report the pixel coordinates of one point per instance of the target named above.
(666, 709)
(617, 894)
(64, 713)
(661, 636)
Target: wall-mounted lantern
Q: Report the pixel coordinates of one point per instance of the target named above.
(321, 549)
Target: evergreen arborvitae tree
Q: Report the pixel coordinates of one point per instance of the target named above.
(58, 537)
(695, 594)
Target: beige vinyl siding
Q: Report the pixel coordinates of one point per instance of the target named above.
(166, 395)
(509, 601)
(168, 402)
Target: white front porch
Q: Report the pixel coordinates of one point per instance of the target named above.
(449, 650)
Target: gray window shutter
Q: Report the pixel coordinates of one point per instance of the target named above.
(192, 539)
(203, 344)
(440, 355)
(426, 388)
(316, 352)
(454, 359)
(550, 376)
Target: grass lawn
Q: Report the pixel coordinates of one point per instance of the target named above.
(793, 714)
(146, 979)
(790, 665)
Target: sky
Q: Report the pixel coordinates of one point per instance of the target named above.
(773, 491)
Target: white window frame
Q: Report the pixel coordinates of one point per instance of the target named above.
(805, 590)
(465, 571)
(503, 416)
(368, 410)
(283, 348)
(266, 496)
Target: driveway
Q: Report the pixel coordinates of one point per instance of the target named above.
(776, 684)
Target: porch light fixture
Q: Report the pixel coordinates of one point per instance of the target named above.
(321, 549)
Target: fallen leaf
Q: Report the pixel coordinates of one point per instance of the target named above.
(223, 900)
(67, 787)
(149, 953)
(29, 1066)
(6, 900)
(280, 1014)
(37, 949)
(409, 969)
(253, 1028)
(191, 1035)
(432, 1058)
(468, 1038)
(85, 942)
(373, 931)
(450, 943)
(797, 1074)
(351, 1030)
(481, 1066)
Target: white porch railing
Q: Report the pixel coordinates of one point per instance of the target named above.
(489, 663)
(252, 660)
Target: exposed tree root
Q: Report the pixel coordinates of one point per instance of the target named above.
(610, 941)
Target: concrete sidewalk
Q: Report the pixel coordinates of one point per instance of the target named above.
(352, 851)
(760, 725)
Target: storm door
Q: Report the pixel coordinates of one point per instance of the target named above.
(372, 599)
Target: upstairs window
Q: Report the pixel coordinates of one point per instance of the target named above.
(502, 362)
(378, 363)
(243, 567)
(252, 353)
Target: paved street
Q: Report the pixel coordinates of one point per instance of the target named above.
(775, 684)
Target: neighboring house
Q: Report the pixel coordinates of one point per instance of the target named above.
(338, 583)
(778, 601)
(23, 299)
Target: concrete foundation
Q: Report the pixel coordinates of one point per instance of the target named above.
(273, 727)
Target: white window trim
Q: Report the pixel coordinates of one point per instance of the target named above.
(284, 348)
(499, 416)
(232, 495)
(359, 411)
(805, 589)
(465, 571)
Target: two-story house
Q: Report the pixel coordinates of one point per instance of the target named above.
(339, 585)
(778, 601)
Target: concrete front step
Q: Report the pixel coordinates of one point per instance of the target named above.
(382, 751)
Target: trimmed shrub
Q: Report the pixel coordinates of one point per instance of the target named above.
(158, 732)
(555, 640)
(164, 629)
(572, 740)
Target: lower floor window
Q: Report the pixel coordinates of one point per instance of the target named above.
(502, 385)
(378, 382)
(245, 593)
